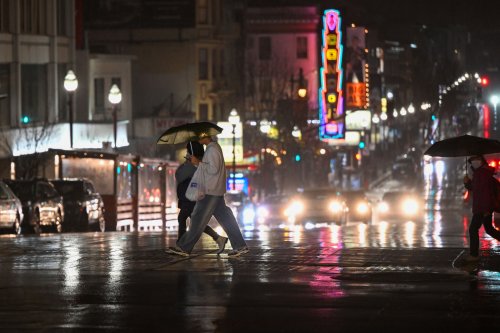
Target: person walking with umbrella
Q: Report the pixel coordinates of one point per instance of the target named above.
(213, 170)
(482, 187)
(183, 176)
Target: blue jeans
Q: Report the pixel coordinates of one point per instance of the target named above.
(203, 211)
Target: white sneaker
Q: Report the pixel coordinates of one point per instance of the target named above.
(237, 253)
(221, 242)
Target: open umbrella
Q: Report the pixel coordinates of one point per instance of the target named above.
(187, 132)
(464, 145)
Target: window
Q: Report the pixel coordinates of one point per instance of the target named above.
(213, 6)
(4, 16)
(203, 11)
(301, 47)
(34, 91)
(61, 18)
(214, 63)
(4, 95)
(221, 64)
(264, 48)
(99, 106)
(203, 112)
(33, 17)
(203, 64)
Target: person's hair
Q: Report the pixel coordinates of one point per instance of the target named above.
(196, 149)
(478, 157)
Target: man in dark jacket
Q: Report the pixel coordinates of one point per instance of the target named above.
(183, 176)
(482, 186)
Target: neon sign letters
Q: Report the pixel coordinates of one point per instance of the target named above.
(331, 100)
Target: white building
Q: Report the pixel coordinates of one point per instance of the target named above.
(37, 48)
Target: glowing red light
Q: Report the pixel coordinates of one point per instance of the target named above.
(485, 81)
(493, 164)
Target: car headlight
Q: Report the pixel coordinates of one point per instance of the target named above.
(362, 208)
(335, 206)
(262, 212)
(383, 207)
(295, 208)
(410, 206)
(248, 215)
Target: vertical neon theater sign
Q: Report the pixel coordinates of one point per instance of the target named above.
(331, 100)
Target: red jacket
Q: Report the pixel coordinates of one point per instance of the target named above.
(482, 187)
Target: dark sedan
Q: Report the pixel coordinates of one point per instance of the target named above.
(42, 204)
(317, 205)
(11, 210)
(83, 206)
(360, 208)
(401, 205)
(272, 209)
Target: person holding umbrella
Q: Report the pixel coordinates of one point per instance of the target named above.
(183, 176)
(482, 186)
(213, 169)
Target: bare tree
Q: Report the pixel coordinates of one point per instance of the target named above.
(29, 139)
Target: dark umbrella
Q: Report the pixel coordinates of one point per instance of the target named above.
(188, 132)
(464, 145)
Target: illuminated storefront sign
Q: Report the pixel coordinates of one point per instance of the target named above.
(356, 70)
(225, 140)
(331, 101)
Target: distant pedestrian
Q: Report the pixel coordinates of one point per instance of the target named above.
(183, 176)
(213, 170)
(482, 186)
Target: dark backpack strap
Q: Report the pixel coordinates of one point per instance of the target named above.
(182, 188)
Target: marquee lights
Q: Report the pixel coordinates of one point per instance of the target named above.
(331, 100)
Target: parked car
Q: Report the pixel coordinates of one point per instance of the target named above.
(11, 210)
(401, 205)
(83, 206)
(42, 204)
(317, 205)
(360, 208)
(404, 168)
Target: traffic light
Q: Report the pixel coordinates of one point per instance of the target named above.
(25, 119)
(361, 144)
(484, 81)
(297, 157)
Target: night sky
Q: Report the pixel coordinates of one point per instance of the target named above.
(475, 15)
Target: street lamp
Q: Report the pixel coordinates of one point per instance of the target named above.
(70, 85)
(494, 100)
(114, 97)
(234, 119)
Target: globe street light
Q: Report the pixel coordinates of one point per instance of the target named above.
(234, 119)
(70, 85)
(114, 97)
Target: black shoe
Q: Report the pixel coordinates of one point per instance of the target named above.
(177, 251)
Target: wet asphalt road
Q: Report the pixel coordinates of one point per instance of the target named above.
(348, 279)
(391, 276)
